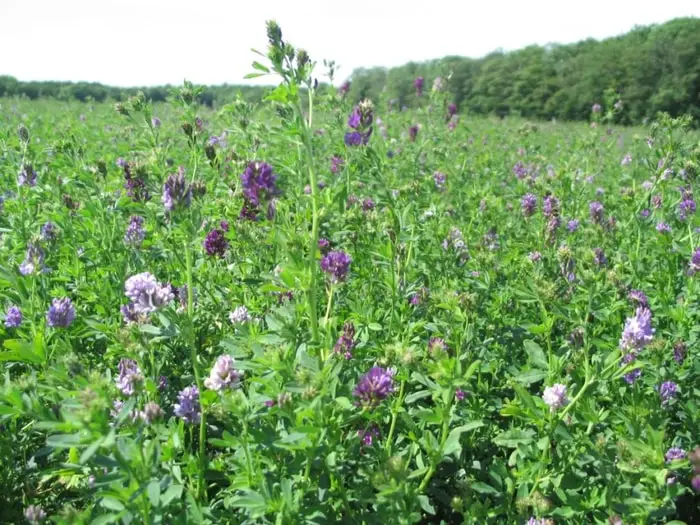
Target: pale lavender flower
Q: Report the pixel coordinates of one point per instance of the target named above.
(13, 317)
(367, 436)
(346, 342)
(130, 377)
(599, 257)
(223, 374)
(662, 227)
(61, 313)
(535, 256)
(240, 315)
(33, 260)
(460, 394)
(639, 298)
(674, 453)
(694, 264)
(146, 293)
(645, 213)
(647, 185)
(626, 160)
(187, 406)
(550, 206)
(176, 191)
(151, 412)
(637, 332)
(440, 179)
(27, 176)
(596, 211)
(572, 225)
(668, 391)
(528, 204)
(555, 396)
(34, 514)
(336, 264)
(596, 108)
(48, 232)
(135, 234)
(155, 122)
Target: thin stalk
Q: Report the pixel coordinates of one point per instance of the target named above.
(443, 438)
(197, 377)
(394, 416)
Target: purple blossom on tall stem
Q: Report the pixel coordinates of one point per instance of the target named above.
(135, 234)
(337, 164)
(34, 514)
(367, 204)
(324, 245)
(176, 192)
(572, 225)
(344, 88)
(48, 232)
(596, 108)
(687, 205)
(346, 342)
(33, 260)
(13, 317)
(374, 386)
(61, 313)
(528, 204)
(599, 257)
(155, 122)
(240, 315)
(596, 212)
(130, 377)
(679, 351)
(223, 375)
(662, 227)
(368, 436)
(668, 391)
(418, 83)
(638, 298)
(215, 243)
(550, 205)
(259, 183)
(519, 170)
(626, 160)
(694, 263)
(187, 407)
(674, 453)
(27, 176)
(336, 264)
(413, 132)
(451, 110)
(637, 332)
(146, 293)
(555, 396)
(439, 178)
(360, 121)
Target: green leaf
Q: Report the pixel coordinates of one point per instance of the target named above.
(483, 488)
(112, 503)
(530, 376)
(173, 492)
(90, 451)
(452, 443)
(424, 503)
(536, 354)
(251, 501)
(260, 67)
(64, 440)
(415, 396)
(514, 437)
(153, 491)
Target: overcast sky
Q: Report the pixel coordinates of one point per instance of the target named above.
(151, 42)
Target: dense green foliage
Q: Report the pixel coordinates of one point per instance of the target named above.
(651, 69)
(532, 330)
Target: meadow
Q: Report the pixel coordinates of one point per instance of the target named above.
(321, 310)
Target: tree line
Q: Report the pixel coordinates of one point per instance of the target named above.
(649, 69)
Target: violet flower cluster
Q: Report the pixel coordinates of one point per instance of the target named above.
(259, 186)
(336, 264)
(223, 375)
(374, 386)
(346, 342)
(176, 192)
(146, 293)
(360, 121)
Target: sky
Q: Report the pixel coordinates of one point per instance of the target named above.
(155, 42)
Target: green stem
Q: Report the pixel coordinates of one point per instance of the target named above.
(197, 376)
(394, 416)
(443, 438)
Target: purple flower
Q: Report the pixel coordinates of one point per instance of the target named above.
(632, 376)
(27, 176)
(679, 351)
(324, 245)
(644, 213)
(155, 122)
(336, 264)
(596, 108)
(555, 396)
(61, 313)
(374, 386)
(637, 332)
(667, 391)
(176, 191)
(215, 243)
(599, 257)
(187, 406)
(146, 293)
(337, 164)
(695, 483)
(344, 88)
(13, 317)
(519, 170)
(639, 298)
(367, 436)
(353, 138)
(694, 264)
(674, 453)
(48, 231)
(596, 211)
(360, 121)
(130, 377)
(135, 234)
(451, 110)
(418, 84)
(439, 178)
(627, 160)
(259, 183)
(413, 132)
(528, 204)
(687, 204)
(223, 375)
(535, 256)
(572, 225)
(240, 315)
(346, 342)
(460, 394)
(33, 260)
(550, 206)
(34, 514)
(134, 184)
(151, 412)
(662, 227)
